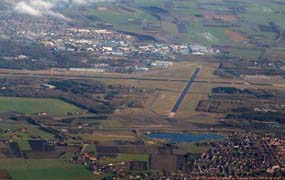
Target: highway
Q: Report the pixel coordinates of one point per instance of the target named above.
(185, 90)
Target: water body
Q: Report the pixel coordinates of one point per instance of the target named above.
(185, 137)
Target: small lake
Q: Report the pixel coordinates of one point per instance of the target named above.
(185, 137)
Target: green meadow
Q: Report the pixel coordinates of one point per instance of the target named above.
(44, 169)
(36, 105)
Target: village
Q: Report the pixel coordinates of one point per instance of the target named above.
(248, 155)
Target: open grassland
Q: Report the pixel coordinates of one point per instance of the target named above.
(36, 105)
(147, 84)
(210, 35)
(164, 102)
(139, 118)
(179, 70)
(169, 26)
(266, 80)
(207, 72)
(246, 52)
(191, 101)
(206, 88)
(103, 137)
(193, 148)
(193, 120)
(44, 169)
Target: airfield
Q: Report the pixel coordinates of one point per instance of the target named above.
(160, 110)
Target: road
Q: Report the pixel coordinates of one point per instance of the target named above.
(185, 90)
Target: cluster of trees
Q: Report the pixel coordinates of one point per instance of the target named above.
(78, 92)
(79, 87)
(264, 94)
(260, 116)
(230, 90)
(79, 100)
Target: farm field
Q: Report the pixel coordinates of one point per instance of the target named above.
(124, 158)
(30, 130)
(249, 52)
(275, 53)
(44, 169)
(36, 105)
(24, 145)
(107, 137)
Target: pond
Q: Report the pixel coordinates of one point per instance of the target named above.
(185, 137)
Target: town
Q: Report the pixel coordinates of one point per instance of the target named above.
(97, 48)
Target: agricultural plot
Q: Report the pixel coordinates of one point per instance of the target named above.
(24, 145)
(251, 53)
(235, 36)
(107, 137)
(36, 105)
(275, 54)
(44, 169)
(4, 174)
(22, 130)
(124, 158)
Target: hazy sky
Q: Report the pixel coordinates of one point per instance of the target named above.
(45, 7)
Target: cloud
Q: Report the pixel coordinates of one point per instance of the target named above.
(25, 8)
(45, 7)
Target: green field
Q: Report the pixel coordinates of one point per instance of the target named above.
(44, 169)
(36, 105)
(125, 157)
(31, 131)
(193, 148)
(24, 145)
(102, 137)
